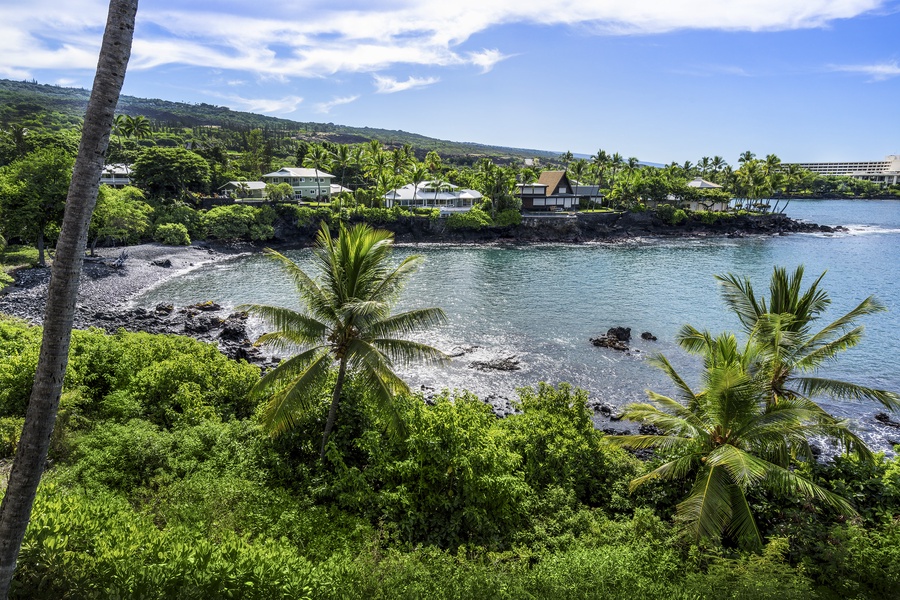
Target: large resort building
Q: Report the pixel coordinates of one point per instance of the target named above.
(885, 171)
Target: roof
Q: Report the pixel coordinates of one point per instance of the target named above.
(552, 179)
(428, 193)
(297, 172)
(699, 182)
(249, 185)
(337, 188)
(116, 169)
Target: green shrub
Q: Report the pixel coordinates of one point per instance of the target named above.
(508, 217)
(472, 219)
(231, 222)
(179, 213)
(707, 217)
(172, 234)
(561, 448)
(99, 547)
(10, 430)
(668, 213)
(453, 480)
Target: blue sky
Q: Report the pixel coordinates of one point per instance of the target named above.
(661, 80)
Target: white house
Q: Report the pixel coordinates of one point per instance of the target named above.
(447, 197)
(245, 189)
(116, 175)
(308, 184)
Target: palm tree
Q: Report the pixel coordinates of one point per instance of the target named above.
(347, 322)
(138, 127)
(343, 158)
(318, 159)
(418, 174)
(600, 162)
(579, 168)
(782, 326)
(31, 455)
(723, 437)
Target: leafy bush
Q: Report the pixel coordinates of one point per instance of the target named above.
(472, 219)
(707, 217)
(508, 217)
(560, 447)
(172, 234)
(80, 547)
(669, 214)
(234, 222)
(10, 430)
(453, 480)
(180, 213)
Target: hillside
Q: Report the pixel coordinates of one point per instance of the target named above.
(22, 101)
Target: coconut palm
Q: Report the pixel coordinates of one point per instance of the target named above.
(347, 322)
(417, 175)
(727, 441)
(782, 326)
(138, 127)
(318, 159)
(31, 455)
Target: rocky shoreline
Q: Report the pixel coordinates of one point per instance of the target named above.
(113, 278)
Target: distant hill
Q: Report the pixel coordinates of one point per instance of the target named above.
(22, 101)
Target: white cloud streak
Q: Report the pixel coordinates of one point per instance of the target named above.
(325, 107)
(389, 85)
(877, 72)
(268, 106)
(283, 39)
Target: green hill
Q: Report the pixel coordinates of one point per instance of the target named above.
(52, 105)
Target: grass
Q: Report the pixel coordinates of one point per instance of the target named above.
(14, 257)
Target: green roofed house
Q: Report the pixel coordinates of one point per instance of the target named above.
(245, 189)
(308, 184)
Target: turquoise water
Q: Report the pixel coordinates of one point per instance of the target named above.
(543, 303)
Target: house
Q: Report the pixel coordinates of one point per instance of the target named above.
(429, 194)
(116, 175)
(711, 203)
(553, 191)
(308, 184)
(245, 189)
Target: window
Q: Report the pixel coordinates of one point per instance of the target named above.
(562, 189)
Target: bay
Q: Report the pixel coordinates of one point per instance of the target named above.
(541, 304)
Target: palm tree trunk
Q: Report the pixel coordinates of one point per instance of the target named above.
(40, 247)
(335, 400)
(31, 455)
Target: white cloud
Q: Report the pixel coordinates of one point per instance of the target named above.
(486, 59)
(876, 72)
(268, 106)
(389, 85)
(325, 107)
(282, 39)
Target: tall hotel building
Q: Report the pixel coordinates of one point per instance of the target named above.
(885, 171)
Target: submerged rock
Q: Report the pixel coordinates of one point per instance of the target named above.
(509, 363)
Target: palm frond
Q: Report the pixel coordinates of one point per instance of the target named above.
(291, 326)
(706, 512)
(404, 352)
(784, 481)
(743, 526)
(302, 376)
(407, 322)
(656, 442)
(841, 390)
(743, 468)
(661, 362)
(316, 299)
(739, 297)
(674, 469)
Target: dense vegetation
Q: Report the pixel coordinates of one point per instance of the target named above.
(164, 485)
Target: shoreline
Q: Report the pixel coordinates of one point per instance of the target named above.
(106, 289)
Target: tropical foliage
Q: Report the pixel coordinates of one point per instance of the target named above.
(347, 321)
(757, 410)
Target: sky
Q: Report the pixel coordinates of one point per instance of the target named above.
(660, 80)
